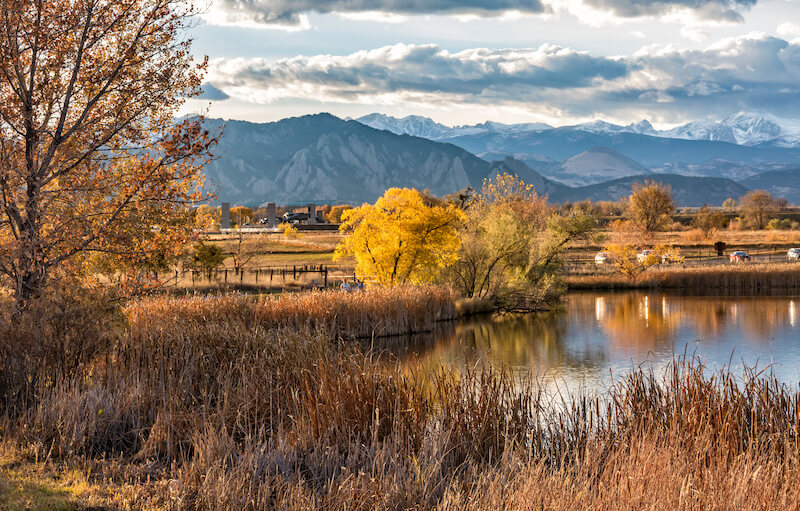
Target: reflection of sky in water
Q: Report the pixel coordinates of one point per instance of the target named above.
(596, 335)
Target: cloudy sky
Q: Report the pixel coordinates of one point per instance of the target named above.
(463, 62)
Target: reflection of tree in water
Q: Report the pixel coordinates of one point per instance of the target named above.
(640, 322)
(759, 318)
(579, 337)
(536, 341)
(645, 322)
(762, 317)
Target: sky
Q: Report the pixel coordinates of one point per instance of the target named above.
(463, 62)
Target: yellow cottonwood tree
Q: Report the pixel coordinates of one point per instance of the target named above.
(402, 238)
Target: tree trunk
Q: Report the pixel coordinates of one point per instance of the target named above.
(28, 286)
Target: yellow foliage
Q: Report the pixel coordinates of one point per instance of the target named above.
(400, 239)
(241, 215)
(630, 262)
(289, 230)
(207, 217)
(334, 216)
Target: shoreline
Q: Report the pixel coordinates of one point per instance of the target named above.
(747, 278)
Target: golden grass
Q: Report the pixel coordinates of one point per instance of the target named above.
(748, 278)
(241, 403)
(374, 313)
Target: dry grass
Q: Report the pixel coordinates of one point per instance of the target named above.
(353, 315)
(237, 403)
(750, 278)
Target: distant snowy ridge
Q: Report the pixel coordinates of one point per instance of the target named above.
(743, 128)
(423, 127)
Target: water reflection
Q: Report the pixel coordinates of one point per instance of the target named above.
(596, 334)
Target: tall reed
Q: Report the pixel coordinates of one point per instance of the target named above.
(241, 408)
(739, 279)
(379, 312)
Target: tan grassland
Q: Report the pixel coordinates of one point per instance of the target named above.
(240, 403)
(752, 278)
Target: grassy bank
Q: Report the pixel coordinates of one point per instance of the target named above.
(234, 403)
(751, 278)
(338, 314)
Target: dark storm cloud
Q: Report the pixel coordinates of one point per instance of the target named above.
(718, 10)
(288, 11)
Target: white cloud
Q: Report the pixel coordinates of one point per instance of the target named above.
(755, 71)
(789, 30)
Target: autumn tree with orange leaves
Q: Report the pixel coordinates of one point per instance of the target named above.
(91, 158)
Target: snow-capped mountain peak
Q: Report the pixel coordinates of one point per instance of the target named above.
(642, 127)
(743, 128)
(413, 125)
(424, 127)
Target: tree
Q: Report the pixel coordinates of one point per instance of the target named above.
(511, 241)
(91, 159)
(207, 217)
(708, 221)
(729, 204)
(334, 216)
(756, 208)
(208, 256)
(242, 250)
(650, 206)
(241, 215)
(400, 239)
(630, 262)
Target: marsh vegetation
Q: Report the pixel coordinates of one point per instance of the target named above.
(234, 402)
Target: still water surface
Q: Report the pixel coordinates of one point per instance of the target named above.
(597, 335)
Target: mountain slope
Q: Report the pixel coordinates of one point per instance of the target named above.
(686, 190)
(324, 158)
(743, 128)
(780, 183)
(541, 184)
(597, 165)
(650, 151)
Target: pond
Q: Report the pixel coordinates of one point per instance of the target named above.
(596, 335)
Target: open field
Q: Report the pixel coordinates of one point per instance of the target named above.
(241, 403)
(282, 256)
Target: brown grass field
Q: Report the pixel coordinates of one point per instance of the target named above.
(240, 403)
(314, 248)
(747, 278)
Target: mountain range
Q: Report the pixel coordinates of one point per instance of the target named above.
(743, 128)
(321, 158)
